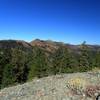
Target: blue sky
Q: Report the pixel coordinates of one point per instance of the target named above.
(70, 21)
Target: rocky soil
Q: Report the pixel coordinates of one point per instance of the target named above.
(52, 88)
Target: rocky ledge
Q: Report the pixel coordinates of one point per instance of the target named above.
(75, 86)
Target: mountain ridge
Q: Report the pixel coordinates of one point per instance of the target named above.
(48, 45)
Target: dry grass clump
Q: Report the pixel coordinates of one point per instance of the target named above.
(81, 86)
(95, 70)
(77, 84)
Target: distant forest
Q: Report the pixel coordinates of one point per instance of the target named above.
(21, 62)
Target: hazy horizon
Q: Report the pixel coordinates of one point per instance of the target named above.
(50, 40)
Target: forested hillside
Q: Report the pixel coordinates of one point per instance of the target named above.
(21, 61)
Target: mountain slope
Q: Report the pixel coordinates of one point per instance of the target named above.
(8, 44)
(52, 45)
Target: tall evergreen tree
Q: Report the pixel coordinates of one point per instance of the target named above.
(5, 57)
(63, 61)
(96, 60)
(84, 58)
(39, 65)
(19, 59)
(8, 76)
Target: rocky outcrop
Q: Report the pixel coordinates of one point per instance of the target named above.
(56, 88)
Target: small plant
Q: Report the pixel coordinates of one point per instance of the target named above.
(96, 70)
(77, 85)
(81, 86)
(92, 90)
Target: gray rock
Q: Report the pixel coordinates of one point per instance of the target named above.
(47, 88)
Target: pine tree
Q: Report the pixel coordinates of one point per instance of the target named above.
(19, 59)
(96, 60)
(4, 60)
(63, 61)
(84, 58)
(8, 76)
(39, 66)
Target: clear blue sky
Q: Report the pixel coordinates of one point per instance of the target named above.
(70, 21)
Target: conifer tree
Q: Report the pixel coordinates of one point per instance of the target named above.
(63, 61)
(96, 61)
(39, 66)
(8, 76)
(19, 59)
(84, 58)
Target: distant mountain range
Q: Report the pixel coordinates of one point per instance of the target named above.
(47, 45)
